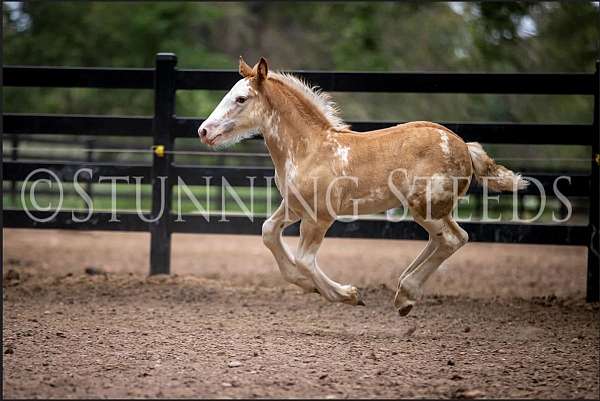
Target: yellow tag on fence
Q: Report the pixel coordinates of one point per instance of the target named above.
(159, 150)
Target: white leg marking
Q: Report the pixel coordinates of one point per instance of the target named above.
(271, 234)
(311, 237)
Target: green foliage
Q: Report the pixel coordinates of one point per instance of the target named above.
(379, 36)
(106, 34)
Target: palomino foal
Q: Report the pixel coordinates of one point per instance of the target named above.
(324, 170)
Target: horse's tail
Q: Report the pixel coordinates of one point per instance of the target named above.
(499, 178)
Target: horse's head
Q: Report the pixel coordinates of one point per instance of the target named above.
(238, 115)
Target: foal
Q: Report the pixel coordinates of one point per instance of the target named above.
(324, 170)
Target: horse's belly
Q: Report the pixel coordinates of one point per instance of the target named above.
(375, 200)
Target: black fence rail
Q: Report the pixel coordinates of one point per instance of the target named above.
(165, 127)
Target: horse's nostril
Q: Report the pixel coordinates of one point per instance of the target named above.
(203, 132)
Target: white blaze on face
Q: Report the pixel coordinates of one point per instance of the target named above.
(230, 119)
(444, 142)
(228, 104)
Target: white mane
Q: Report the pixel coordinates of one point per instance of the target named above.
(321, 100)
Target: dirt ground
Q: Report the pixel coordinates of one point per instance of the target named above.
(498, 321)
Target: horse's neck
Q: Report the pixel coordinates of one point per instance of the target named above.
(294, 128)
(290, 140)
(285, 142)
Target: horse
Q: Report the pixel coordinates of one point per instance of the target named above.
(420, 165)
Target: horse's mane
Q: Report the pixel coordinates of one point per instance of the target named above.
(315, 96)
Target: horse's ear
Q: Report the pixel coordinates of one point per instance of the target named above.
(262, 70)
(245, 69)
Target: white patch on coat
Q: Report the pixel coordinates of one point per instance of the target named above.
(270, 125)
(444, 144)
(272, 122)
(342, 152)
(290, 170)
(438, 188)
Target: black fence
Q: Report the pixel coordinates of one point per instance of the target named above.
(165, 127)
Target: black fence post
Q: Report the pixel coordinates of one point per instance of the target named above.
(593, 273)
(164, 113)
(89, 157)
(14, 156)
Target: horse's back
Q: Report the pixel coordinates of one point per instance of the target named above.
(418, 142)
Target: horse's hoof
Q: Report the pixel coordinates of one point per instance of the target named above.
(404, 301)
(353, 298)
(359, 299)
(405, 310)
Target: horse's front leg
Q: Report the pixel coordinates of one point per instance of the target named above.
(271, 234)
(311, 236)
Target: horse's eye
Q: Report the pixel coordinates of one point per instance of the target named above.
(241, 99)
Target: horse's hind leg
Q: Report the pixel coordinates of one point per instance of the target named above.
(446, 237)
(311, 236)
(271, 234)
(425, 252)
